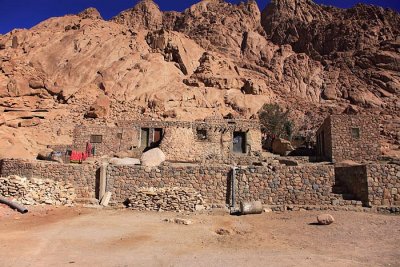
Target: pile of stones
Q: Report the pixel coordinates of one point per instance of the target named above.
(37, 191)
(166, 199)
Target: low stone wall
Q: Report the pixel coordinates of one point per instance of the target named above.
(301, 185)
(209, 181)
(383, 184)
(272, 185)
(166, 199)
(37, 191)
(81, 176)
(353, 179)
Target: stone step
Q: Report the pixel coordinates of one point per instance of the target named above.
(338, 202)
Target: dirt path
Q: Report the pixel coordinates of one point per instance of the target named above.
(83, 237)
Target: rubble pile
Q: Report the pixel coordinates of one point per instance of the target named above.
(37, 191)
(166, 199)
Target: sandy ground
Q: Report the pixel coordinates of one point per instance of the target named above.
(87, 237)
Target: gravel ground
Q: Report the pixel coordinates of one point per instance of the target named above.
(49, 236)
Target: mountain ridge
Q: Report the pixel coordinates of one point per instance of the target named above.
(214, 58)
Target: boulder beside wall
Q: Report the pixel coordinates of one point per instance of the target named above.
(281, 146)
(152, 158)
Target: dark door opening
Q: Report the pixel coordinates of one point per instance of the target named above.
(239, 142)
(157, 137)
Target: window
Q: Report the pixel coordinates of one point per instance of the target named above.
(201, 134)
(144, 137)
(239, 142)
(119, 135)
(96, 139)
(355, 133)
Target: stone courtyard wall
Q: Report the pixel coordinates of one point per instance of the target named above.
(302, 185)
(273, 185)
(81, 176)
(383, 184)
(353, 179)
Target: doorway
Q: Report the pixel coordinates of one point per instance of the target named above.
(157, 137)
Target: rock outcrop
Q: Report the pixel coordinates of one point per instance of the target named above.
(213, 58)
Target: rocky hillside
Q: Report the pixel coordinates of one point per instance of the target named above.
(213, 59)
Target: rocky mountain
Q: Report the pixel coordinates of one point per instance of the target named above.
(213, 59)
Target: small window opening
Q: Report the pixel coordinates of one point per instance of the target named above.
(96, 139)
(119, 135)
(355, 133)
(201, 134)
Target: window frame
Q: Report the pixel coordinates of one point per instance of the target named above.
(94, 140)
(355, 132)
(201, 135)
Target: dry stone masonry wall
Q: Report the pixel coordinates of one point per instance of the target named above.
(37, 191)
(82, 177)
(383, 184)
(166, 199)
(353, 180)
(349, 137)
(274, 184)
(300, 185)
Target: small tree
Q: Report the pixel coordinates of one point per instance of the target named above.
(275, 121)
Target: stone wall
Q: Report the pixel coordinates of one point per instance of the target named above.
(300, 185)
(180, 140)
(81, 176)
(311, 185)
(114, 139)
(273, 184)
(37, 191)
(166, 199)
(324, 141)
(383, 184)
(353, 180)
(349, 137)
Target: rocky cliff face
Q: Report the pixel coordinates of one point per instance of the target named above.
(214, 58)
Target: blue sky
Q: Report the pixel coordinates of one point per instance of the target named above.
(27, 13)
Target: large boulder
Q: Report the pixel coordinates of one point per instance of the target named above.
(325, 219)
(44, 154)
(100, 109)
(124, 161)
(153, 157)
(281, 146)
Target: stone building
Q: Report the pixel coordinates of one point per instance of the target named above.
(212, 140)
(348, 137)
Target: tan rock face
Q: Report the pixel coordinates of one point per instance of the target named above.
(213, 58)
(100, 109)
(145, 15)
